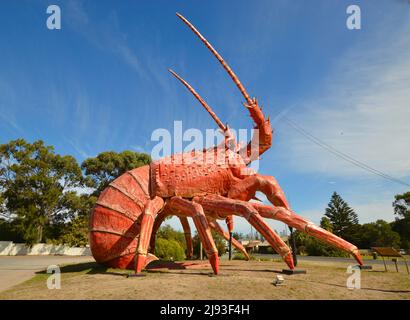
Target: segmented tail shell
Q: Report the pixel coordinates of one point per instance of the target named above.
(114, 226)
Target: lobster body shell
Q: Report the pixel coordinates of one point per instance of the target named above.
(115, 220)
(195, 173)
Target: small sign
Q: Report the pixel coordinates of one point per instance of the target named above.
(279, 280)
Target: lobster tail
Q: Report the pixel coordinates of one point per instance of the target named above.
(115, 221)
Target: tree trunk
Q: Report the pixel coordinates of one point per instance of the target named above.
(39, 233)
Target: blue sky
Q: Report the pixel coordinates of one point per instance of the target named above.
(101, 83)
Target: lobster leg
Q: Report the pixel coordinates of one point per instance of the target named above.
(192, 209)
(229, 223)
(246, 189)
(188, 237)
(217, 227)
(222, 207)
(151, 210)
(158, 221)
(301, 224)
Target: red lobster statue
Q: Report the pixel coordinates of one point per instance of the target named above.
(194, 185)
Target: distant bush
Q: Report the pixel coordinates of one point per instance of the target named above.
(307, 245)
(168, 233)
(220, 244)
(169, 250)
(75, 233)
(314, 247)
(266, 250)
(241, 256)
(9, 232)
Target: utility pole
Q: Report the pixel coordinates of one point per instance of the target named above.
(230, 245)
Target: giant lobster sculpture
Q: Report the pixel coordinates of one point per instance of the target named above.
(202, 185)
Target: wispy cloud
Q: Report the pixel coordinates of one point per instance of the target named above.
(108, 36)
(367, 212)
(77, 149)
(11, 122)
(362, 109)
(7, 107)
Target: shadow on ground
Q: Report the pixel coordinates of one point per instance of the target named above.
(87, 268)
(157, 266)
(341, 286)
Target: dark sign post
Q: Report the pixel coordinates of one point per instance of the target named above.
(390, 252)
(230, 245)
(293, 245)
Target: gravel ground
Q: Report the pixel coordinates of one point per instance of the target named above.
(238, 280)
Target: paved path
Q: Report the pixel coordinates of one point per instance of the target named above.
(16, 269)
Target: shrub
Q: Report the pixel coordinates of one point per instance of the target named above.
(266, 250)
(168, 233)
(314, 247)
(241, 256)
(169, 250)
(308, 245)
(75, 233)
(220, 244)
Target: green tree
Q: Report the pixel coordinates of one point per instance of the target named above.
(401, 225)
(308, 245)
(107, 166)
(9, 232)
(238, 235)
(326, 224)
(168, 233)
(220, 243)
(401, 205)
(35, 187)
(315, 247)
(379, 234)
(75, 232)
(341, 216)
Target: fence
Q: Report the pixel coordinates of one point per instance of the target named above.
(9, 248)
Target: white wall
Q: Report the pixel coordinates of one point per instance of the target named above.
(8, 248)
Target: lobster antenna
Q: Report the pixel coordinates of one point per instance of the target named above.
(198, 97)
(220, 59)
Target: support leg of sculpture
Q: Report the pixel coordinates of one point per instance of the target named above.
(220, 206)
(188, 237)
(157, 224)
(192, 209)
(303, 225)
(217, 227)
(151, 210)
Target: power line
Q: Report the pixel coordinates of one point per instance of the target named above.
(342, 155)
